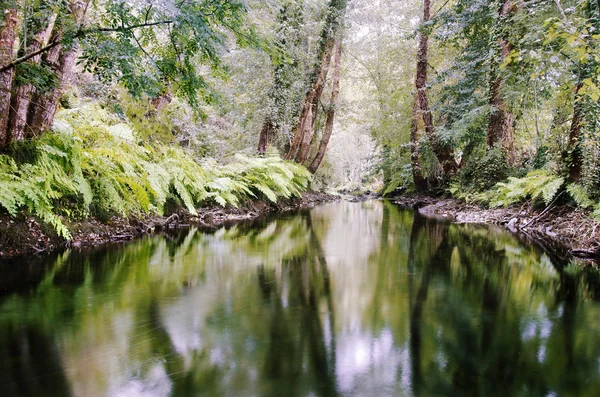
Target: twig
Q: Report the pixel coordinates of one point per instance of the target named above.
(544, 212)
(562, 12)
(36, 249)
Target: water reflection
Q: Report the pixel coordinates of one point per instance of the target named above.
(347, 299)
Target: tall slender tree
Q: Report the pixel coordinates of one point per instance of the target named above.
(583, 114)
(502, 120)
(23, 91)
(284, 94)
(60, 60)
(330, 114)
(304, 130)
(415, 160)
(8, 39)
(443, 152)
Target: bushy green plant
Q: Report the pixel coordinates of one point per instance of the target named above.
(483, 170)
(537, 185)
(96, 166)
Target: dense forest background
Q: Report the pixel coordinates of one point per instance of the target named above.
(114, 106)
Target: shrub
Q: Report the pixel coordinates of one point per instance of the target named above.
(96, 166)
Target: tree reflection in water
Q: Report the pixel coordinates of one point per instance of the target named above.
(346, 299)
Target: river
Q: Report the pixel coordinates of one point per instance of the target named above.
(347, 299)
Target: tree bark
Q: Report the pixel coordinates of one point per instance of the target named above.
(8, 39)
(574, 150)
(61, 61)
(574, 155)
(443, 152)
(501, 123)
(46, 104)
(266, 135)
(21, 99)
(304, 129)
(415, 161)
(335, 91)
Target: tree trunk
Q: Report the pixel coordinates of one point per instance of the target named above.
(61, 61)
(8, 38)
(307, 134)
(415, 161)
(266, 135)
(301, 141)
(576, 158)
(21, 99)
(574, 155)
(443, 153)
(335, 91)
(501, 124)
(304, 129)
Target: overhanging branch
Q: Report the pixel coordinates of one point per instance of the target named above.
(81, 33)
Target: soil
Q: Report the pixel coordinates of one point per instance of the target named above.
(24, 235)
(559, 228)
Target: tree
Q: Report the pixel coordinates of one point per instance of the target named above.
(304, 130)
(501, 122)
(586, 71)
(24, 88)
(8, 39)
(150, 48)
(415, 161)
(442, 151)
(285, 96)
(330, 113)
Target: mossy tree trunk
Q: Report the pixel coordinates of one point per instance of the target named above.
(415, 160)
(575, 160)
(8, 39)
(443, 152)
(23, 93)
(335, 91)
(585, 71)
(304, 130)
(502, 120)
(60, 60)
(27, 111)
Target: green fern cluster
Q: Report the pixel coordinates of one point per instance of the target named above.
(96, 166)
(536, 185)
(268, 178)
(539, 185)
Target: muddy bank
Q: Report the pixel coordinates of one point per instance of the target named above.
(560, 228)
(26, 236)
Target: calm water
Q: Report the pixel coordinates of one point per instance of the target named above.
(347, 299)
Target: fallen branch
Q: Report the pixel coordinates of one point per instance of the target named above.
(544, 212)
(583, 253)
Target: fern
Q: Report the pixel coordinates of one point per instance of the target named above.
(538, 184)
(95, 166)
(578, 193)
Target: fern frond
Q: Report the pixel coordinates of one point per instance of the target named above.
(578, 193)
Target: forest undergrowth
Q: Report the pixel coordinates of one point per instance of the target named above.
(93, 165)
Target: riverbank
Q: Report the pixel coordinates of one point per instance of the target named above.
(24, 235)
(564, 227)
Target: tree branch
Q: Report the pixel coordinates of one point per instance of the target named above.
(562, 11)
(80, 33)
(27, 57)
(127, 28)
